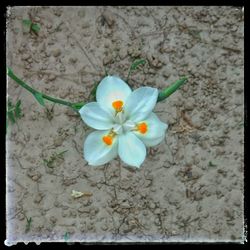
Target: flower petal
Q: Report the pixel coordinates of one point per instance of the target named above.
(94, 116)
(112, 89)
(96, 152)
(155, 133)
(140, 103)
(131, 149)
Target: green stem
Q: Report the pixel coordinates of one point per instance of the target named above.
(76, 106)
(49, 98)
(171, 89)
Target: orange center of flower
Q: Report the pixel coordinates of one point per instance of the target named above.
(107, 139)
(142, 127)
(117, 105)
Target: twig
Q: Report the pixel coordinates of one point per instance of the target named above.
(232, 49)
(188, 120)
(75, 144)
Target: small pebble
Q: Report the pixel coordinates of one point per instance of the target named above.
(56, 52)
(58, 141)
(36, 177)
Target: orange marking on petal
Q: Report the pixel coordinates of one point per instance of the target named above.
(107, 139)
(142, 127)
(117, 105)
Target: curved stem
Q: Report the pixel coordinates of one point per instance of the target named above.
(49, 98)
(76, 106)
(171, 89)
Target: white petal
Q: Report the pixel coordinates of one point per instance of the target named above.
(96, 152)
(111, 89)
(128, 125)
(155, 131)
(118, 129)
(131, 149)
(140, 103)
(94, 116)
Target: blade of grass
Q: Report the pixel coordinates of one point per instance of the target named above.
(134, 66)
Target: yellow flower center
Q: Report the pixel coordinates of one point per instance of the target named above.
(142, 127)
(117, 105)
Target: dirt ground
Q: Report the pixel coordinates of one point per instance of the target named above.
(190, 187)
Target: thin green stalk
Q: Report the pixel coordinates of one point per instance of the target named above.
(76, 106)
(134, 66)
(34, 92)
(171, 89)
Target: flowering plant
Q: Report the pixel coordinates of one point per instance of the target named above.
(123, 118)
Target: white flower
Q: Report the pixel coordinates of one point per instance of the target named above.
(124, 122)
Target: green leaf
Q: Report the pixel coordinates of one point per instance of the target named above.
(93, 91)
(35, 27)
(10, 105)
(28, 224)
(18, 112)
(18, 103)
(11, 117)
(27, 22)
(61, 153)
(13, 112)
(171, 89)
(136, 63)
(39, 98)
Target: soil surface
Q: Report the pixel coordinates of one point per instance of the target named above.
(190, 187)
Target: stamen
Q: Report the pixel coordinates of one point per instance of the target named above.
(108, 139)
(142, 127)
(117, 105)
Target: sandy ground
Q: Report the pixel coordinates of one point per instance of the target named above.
(190, 187)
